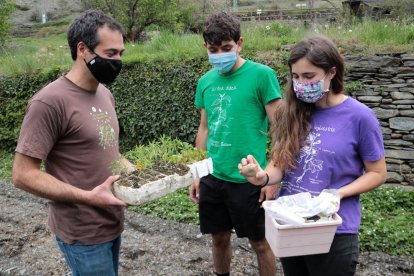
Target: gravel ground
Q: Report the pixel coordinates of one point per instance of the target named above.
(151, 246)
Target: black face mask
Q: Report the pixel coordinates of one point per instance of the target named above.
(104, 70)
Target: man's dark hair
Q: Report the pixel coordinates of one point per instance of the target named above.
(85, 28)
(221, 27)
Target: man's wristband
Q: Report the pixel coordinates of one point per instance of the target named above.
(266, 182)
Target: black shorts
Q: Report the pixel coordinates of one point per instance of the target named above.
(225, 205)
(341, 260)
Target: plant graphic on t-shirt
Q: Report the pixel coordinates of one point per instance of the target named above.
(104, 127)
(219, 107)
(307, 156)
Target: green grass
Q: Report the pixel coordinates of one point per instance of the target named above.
(165, 46)
(35, 54)
(6, 161)
(176, 207)
(369, 37)
(270, 36)
(261, 39)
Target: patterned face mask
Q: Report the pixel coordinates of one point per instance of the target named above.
(310, 91)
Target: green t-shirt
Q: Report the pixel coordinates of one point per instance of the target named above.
(236, 116)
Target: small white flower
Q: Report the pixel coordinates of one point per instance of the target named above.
(385, 26)
(339, 27)
(326, 26)
(350, 31)
(267, 27)
(133, 45)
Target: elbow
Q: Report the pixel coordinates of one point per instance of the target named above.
(384, 176)
(17, 180)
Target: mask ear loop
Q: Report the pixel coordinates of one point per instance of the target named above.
(327, 90)
(90, 51)
(330, 81)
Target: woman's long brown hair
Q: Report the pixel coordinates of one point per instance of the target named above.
(293, 117)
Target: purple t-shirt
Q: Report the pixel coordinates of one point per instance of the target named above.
(340, 139)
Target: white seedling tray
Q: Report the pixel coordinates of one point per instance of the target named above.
(152, 190)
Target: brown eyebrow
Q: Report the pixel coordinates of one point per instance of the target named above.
(114, 50)
(305, 73)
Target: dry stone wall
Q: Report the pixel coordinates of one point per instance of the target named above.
(385, 83)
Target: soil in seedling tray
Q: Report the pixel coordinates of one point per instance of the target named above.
(139, 178)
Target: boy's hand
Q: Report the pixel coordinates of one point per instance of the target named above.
(194, 191)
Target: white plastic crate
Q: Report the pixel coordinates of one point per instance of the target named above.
(296, 240)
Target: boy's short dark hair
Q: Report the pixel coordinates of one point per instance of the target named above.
(221, 27)
(85, 28)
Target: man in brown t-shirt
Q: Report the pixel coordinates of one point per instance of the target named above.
(71, 126)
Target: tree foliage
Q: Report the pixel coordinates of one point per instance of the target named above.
(6, 9)
(176, 15)
(137, 15)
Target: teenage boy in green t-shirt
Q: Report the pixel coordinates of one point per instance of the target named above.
(236, 99)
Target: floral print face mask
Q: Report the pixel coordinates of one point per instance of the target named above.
(310, 91)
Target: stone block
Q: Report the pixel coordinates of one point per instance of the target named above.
(406, 106)
(407, 113)
(385, 113)
(408, 137)
(400, 168)
(400, 154)
(397, 142)
(394, 177)
(409, 178)
(402, 96)
(370, 99)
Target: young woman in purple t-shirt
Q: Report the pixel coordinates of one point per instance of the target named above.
(323, 139)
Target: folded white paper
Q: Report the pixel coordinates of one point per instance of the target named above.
(294, 209)
(201, 168)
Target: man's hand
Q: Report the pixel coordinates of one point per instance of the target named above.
(102, 195)
(194, 191)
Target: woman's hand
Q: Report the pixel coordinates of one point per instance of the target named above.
(252, 171)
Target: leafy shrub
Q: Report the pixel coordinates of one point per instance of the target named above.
(152, 99)
(175, 206)
(6, 9)
(164, 149)
(156, 99)
(387, 221)
(15, 91)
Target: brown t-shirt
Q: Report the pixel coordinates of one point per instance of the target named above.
(75, 132)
